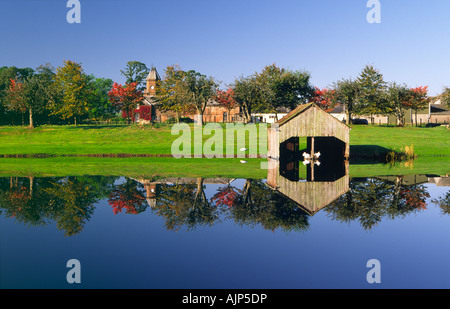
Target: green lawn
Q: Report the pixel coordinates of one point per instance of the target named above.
(133, 167)
(59, 140)
(432, 145)
(426, 141)
(209, 168)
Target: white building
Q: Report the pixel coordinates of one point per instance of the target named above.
(267, 118)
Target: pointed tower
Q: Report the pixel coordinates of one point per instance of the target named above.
(152, 78)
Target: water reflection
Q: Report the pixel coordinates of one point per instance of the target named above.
(189, 203)
(370, 200)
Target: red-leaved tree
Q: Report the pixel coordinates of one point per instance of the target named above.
(419, 99)
(144, 112)
(126, 98)
(321, 97)
(226, 100)
(15, 98)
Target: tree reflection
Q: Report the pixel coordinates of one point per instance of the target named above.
(19, 200)
(129, 196)
(185, 205)
(257, 204)
(68, 201)
(443, 202)
(370, 200)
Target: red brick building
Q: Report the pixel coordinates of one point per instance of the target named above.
(213, 112)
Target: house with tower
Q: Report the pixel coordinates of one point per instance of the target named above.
(214, 112)
(150, 93)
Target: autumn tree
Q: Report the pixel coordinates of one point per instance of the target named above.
(322, 98)
(125, 98)
(419, 99)
(225, 98)
(74, 90)
(6, 74)
(15, 97)
(169, 92)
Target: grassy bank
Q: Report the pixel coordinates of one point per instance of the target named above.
(75, 140)
(209, 168)
(135, 167)
(431, 145)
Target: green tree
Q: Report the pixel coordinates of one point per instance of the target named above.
(74, 90)
(247, 95)
(136, 72)
(445, 96)
(345, 92)
(398, 98)
(372, 87)
(282, 88)
(99, 105)
(197, 89)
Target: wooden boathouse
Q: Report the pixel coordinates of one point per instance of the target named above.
(324, 156)
(308, 120)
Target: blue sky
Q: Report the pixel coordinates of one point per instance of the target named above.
(227, 39)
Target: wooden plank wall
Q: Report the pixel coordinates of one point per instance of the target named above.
(314, 122)
(312, 196)
(273, 142)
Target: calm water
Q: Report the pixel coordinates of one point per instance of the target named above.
(222, 233)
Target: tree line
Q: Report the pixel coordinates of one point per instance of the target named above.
(274, 89)
(68, 95)
(52, 96)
